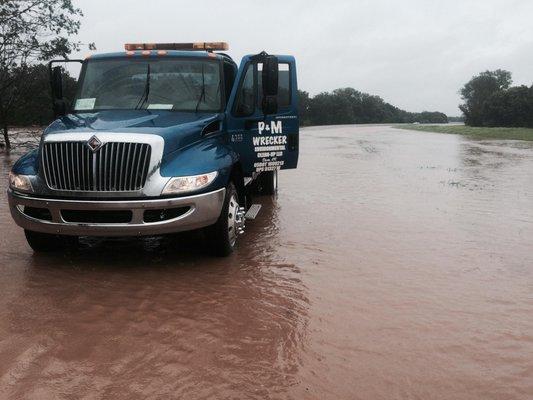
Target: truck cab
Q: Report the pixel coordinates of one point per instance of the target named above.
(161, 138)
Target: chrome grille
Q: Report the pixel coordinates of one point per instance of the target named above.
(116, 166)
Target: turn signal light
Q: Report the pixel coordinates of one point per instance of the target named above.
(210, 46)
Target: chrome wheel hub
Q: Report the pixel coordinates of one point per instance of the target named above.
(235, 219)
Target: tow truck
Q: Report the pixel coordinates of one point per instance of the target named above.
(160, 138)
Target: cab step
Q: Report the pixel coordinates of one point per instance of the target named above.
(253, 211)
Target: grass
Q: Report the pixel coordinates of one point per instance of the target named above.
(481, 133)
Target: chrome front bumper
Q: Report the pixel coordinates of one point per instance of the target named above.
(203, 210)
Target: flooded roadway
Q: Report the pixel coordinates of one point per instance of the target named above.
(392, 265)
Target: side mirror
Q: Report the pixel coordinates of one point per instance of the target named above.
(60, 108)
(270, 75)
(270, 84)
(270, 105)
(58, 102)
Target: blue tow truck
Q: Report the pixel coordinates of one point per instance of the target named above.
(160, 138)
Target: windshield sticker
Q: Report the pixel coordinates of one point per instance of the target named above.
(160, 106)
(85, 104)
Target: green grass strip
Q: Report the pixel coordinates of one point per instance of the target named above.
(481, 133)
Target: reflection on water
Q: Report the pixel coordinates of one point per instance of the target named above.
(392, 265)
(155, 317)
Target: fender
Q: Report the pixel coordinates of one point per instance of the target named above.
(28, 164)
(208, 155)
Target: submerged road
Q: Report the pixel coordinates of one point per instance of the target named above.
(392, 265)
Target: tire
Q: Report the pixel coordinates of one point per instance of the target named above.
(222, 236)
(46, 243)
(267, 183)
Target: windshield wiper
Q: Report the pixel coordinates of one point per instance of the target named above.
(146, 92)
(202, 93)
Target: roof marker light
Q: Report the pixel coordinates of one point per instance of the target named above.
(209, 46)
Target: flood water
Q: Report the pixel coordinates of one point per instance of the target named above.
(392, 265)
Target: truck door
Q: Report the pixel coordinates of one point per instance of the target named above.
(264, 143)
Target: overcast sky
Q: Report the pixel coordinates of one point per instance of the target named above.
(416, 54)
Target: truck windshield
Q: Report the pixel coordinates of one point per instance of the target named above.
(153, 84)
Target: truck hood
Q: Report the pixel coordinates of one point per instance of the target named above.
(178, 129)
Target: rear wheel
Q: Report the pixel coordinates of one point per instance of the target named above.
(45, 242)
(223, 234)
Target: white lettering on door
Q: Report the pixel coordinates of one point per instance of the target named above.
(274, 127)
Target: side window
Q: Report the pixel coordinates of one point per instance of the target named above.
(284, 85)
(245, 104)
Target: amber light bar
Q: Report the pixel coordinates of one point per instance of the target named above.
(209, 46)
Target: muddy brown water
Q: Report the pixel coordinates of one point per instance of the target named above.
(392, 265)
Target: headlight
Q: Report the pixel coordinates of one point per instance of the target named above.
(20, 182)
(188, 183)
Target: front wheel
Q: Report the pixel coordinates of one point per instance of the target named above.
(45, 242)
(222, 236)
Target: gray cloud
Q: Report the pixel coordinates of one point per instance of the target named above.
(415, 54)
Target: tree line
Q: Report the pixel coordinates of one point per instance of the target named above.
(350, 106)
(490, 100)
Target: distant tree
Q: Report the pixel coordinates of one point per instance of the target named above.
(34, 96)
(511, 107)
(322, 109)
(303, 107)
(456, 119)
(435, 117)
(478, 90)
(349, 106)
(31, 31)
(530, 101)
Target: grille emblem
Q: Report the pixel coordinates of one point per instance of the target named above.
(94, 144)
